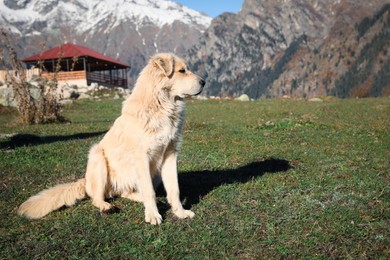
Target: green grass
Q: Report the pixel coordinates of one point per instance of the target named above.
(266, 179)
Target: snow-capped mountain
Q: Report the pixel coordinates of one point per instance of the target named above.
(128, 30)
(87, 15)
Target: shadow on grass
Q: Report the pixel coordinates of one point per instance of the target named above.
(20, 140)
(197, 184)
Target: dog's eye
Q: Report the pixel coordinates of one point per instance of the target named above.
(182, 71)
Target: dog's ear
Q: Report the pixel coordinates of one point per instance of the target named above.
(164, 62)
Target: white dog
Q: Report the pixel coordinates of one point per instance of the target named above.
(138, 151)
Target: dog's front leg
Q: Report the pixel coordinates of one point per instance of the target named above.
(171, 185)
(147, 191)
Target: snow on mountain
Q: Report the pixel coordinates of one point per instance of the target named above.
(128, 30)
(21, 16)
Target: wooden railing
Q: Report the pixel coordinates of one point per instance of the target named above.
(98, 77)
(65, 75)
(106, 79)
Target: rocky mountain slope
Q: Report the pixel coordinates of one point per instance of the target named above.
(298, 48)
(128, 30)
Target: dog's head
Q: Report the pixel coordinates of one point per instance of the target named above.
(177, 79)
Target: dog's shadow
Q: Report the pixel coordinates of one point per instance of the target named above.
(197, 184)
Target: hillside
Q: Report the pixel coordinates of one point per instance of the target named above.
(298, 48)
(353, 61)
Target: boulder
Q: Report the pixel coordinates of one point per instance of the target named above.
(243, 97)
(82, 89)
(93, 87)
(6, 96)
(315, 100)
(67, 92)
(84, 96)
(65, 102)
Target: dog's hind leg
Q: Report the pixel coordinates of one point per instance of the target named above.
(97, 178)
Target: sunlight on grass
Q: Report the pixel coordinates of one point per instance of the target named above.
(266, 179)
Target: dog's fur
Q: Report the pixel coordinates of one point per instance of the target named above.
(138, 151)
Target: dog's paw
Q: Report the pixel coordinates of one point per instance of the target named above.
(112, 210)
(184, 213)
(153, 218)
(102, 205)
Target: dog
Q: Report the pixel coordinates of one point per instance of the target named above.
(138, 152)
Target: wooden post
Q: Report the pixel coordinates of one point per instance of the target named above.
(120, 77)
(85, 69)
(126, 78)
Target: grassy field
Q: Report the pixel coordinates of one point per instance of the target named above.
(266, 179)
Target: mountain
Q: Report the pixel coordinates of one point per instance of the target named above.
(300, 48)
(128, 30)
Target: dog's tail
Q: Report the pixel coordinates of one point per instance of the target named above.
(52, 199)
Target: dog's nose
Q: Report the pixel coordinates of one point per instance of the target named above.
(202, 82)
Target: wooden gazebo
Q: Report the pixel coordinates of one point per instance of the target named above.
(78, 63)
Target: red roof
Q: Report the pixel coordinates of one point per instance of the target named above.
(69, 50)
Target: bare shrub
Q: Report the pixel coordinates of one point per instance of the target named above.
(34, 108)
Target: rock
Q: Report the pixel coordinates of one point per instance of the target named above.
(67, 92)
(6, 97)
(243, 97)
(201, 97)
(66, 102)
(93, 87)
(316, 100)
(35, 93)
(84, 96)
(82, 89)
(74, 95)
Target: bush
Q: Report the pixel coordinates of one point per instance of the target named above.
(42, 109)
